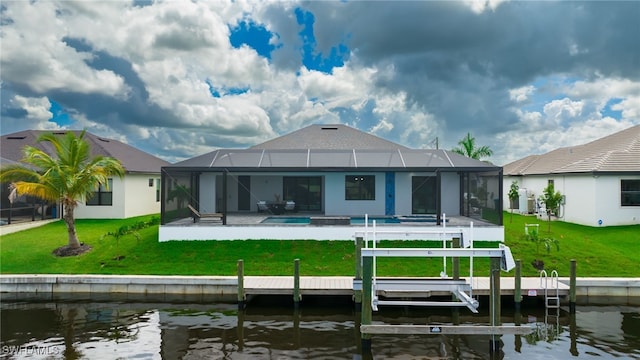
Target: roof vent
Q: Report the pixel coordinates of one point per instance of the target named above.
(59, 132)
(102, 139)
(16, 137)
(329, 128)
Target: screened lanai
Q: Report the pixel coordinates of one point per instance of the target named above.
(332, 182)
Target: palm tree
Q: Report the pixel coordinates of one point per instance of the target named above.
(69, 177)
(468, 148)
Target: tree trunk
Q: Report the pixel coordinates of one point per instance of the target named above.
(71, 226)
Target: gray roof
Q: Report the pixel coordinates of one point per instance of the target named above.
(619, 152)
(329, 137)
(132, 159)
(332, 147)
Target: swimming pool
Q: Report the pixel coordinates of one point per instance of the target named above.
(305, 220)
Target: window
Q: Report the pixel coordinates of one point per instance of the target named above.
(630, 192)
(157, 190)
(150, 182)
(103, 195)
(360, 187)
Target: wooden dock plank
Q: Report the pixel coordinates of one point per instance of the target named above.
(343, 285)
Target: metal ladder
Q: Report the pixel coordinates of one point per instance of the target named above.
(550, 301)
(551, 330)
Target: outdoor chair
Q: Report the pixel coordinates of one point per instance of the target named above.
(262, 206)
(197, 216)
(290, 206)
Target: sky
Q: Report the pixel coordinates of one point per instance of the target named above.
(182, 78)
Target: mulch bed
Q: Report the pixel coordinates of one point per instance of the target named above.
(71, 251)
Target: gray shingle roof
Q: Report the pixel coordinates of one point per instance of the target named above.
(619, 152)
(334, 137)
(132, 159)
(332, 147)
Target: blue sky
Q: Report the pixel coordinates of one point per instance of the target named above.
(178, 79)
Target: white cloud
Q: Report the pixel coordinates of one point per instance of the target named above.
(38, 57)
(37, 109)
(564, 109)
(441, 80)
(479, 6)
(521, 94)
(602, 90)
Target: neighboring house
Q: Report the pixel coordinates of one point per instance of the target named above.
(138, 193)
(600, 180)
(334, 170)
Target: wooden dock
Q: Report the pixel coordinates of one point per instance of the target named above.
(344, 285)
(309, 285)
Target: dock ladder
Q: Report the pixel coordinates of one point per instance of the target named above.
(550, 301)
(551, 331)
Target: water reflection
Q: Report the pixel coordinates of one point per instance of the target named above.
(274, 330)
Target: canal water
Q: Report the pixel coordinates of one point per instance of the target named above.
(322, 328)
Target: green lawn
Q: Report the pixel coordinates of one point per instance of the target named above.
(610, 251)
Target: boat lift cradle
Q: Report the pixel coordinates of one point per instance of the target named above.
(405, 288)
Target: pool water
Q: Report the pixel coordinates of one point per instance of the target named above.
(305, 220)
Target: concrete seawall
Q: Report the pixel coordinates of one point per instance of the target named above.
(624, 291)
(131, 284)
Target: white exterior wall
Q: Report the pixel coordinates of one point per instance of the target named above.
(589, 198)
(335, 203)
(580, 205)
(139, 197)
(450, 194)
(609, 208)
(114, 211)
(403, 197)
(132, 196)
(207, 193)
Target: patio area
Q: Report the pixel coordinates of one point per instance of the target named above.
(250, 226)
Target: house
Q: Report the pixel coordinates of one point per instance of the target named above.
(600, 180)
(332, 170)
(138, 193)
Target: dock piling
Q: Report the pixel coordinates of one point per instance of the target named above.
(495, 344)
(357, 295)
(296, 283)
(367, 284)
(517, 289)
(572, 287)
(241, 295)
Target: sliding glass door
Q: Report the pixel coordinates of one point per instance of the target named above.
(306, 191)
(423, 195)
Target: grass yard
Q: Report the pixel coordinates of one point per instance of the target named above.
(609, 251)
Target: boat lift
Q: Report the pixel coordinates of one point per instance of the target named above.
(403, 289)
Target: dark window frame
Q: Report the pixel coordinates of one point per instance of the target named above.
(630, 192)
(359, 187)
(103, 196)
